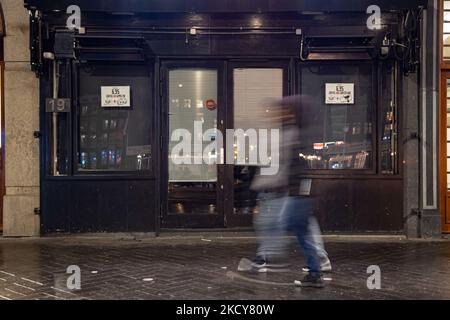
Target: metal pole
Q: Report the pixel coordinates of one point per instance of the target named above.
(55, 122)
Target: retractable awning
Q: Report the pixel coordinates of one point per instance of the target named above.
(223, 6)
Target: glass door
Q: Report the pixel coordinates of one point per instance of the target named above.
(194, 120)
(254, 90)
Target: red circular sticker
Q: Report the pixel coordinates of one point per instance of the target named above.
(211, 105)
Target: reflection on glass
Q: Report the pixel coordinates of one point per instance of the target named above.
(115, 139)
(389, 137)
(193, 183)
(255, 90)
(336, 136)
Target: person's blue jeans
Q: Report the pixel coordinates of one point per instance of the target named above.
(315, 236)
(270, 226)
(297, 214)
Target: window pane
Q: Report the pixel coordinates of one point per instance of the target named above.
(117, 138)
(189, 92)
(389, 112)
(448, 91)
(446, 52)
(446, 27)
(193, 176)
(336, 136)
(447, 16)
(254, 91)
(446, 39)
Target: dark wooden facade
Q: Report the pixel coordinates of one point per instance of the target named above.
(353, 201)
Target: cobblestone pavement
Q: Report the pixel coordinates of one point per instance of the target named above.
(186, 267)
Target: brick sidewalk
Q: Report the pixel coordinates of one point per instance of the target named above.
(194, 267)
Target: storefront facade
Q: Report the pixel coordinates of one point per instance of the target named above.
(444, 116)
(114, 91)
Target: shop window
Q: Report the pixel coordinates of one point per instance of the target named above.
(446, 31)
(115, 118)
(337, 125)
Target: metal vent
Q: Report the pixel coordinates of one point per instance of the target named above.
(338, 47)
(111, 48)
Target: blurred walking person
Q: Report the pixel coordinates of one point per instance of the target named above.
(283, 208)
(269, 223)
(298, 213)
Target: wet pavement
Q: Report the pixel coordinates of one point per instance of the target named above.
(187, 267)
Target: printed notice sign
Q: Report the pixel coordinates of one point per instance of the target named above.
(340, 93)
(305, 187)
(116, 97)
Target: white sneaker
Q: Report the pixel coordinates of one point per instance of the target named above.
(324, 267)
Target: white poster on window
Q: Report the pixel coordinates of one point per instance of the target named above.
(116, 97)
(340, 93)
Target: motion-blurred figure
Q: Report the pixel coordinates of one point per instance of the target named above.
(283, 208)
(273, 190)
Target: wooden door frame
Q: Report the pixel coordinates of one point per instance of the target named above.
(445, 212)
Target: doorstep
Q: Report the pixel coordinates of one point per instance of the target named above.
(236, 234)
